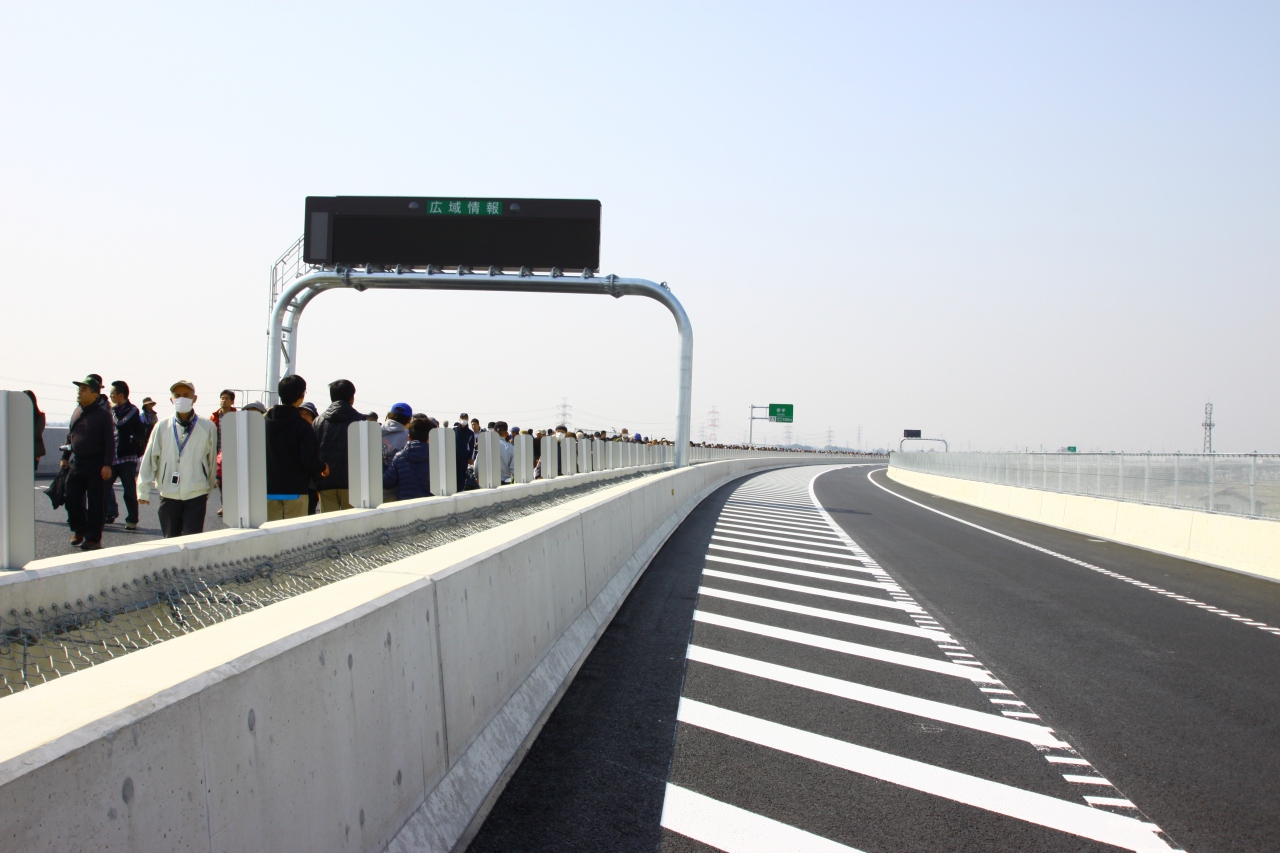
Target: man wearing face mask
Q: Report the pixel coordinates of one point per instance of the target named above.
(180, 460)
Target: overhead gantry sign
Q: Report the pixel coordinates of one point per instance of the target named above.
(428, 243)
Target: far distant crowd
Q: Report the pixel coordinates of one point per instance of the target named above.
(109, 439)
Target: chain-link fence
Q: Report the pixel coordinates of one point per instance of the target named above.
(42, 644)
(1228, 483)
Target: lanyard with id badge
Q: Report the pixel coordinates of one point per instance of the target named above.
(182, 445)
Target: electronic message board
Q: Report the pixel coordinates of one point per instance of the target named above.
(911, 433)
(417, 231)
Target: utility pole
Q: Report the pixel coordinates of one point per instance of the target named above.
(1208, 427)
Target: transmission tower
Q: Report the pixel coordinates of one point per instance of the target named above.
(1208, 427)
(713, 424)
(830, 438)
(859, 436)
(565, 409)
(786, 436)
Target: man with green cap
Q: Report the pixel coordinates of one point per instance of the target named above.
(91, 437)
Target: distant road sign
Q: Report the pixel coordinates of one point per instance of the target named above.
(1071, 448)
(507, 233)
(911, 433)
(782, 413)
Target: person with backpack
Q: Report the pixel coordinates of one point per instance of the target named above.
(131, 441)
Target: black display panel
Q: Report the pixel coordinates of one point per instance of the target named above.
(911, 433)
(538, 233)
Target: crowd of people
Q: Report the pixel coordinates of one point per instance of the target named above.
(180, 456)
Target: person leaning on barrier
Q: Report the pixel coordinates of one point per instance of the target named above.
(90, 453)
(331, 431)
(409, 473)
(180, 461)
(293, 453)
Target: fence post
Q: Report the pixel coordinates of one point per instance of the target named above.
(1120, 490)
(523, 468)
(244, 469)
(550, 447)
(1097, 464)
(1210, 482)
(1177, 457)
(1146, 476)
(443, 453)
(1253, 483)
(364, 464)
(568, 456)
(17, 480)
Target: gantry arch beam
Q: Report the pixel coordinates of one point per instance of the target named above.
(287, 312)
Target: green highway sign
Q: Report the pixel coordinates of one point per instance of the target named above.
(782, 413)
(1071, 449)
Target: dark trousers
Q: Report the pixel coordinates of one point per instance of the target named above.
(182, 518)
(127, 472)
(85, 491)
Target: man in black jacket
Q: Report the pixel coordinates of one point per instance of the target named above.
(92, 437)
(466, 440)
(293, 453)
(131, 440)
(331, 432)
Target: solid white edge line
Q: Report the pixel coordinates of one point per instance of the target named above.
(843, 646)
(736, 830)
(1063, 815)
(978, 721)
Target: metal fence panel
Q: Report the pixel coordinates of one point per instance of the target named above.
(1245, 484)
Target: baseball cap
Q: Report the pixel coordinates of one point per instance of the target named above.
(402, 409)
(464, 416)
(92, 382)
(186, 382)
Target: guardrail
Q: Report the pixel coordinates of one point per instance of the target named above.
(1246, 485)
(699, 453)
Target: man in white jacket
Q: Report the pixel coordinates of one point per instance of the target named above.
(181, 460)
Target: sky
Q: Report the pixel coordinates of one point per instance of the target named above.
(1009, 225)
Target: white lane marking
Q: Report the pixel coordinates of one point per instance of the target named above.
(803, 537)
(773, 520)
(1193, 602)
(843, 646)
(736, 830)
(979, 721)
(781, 547)
(927, 621)
(1062, 759)
(832, 615)
(798, 572)
(1111, 801)
(1085, 780)
(835, 544)
(790, 511)
(805, 560)
(1062, 815)
(811, 590)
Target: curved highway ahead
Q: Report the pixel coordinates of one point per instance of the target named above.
(822, 659)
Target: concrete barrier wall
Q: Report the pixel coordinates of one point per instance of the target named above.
(379, 712)
(1248, 545)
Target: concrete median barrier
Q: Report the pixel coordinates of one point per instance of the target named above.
(382, 711)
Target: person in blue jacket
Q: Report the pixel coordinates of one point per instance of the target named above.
(410, 470)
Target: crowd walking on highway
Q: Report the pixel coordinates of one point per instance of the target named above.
(110, 439)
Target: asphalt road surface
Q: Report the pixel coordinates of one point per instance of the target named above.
(822, 659)
(53, 536)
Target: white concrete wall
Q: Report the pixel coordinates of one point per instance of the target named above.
(1249, 545)
(379, 712)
